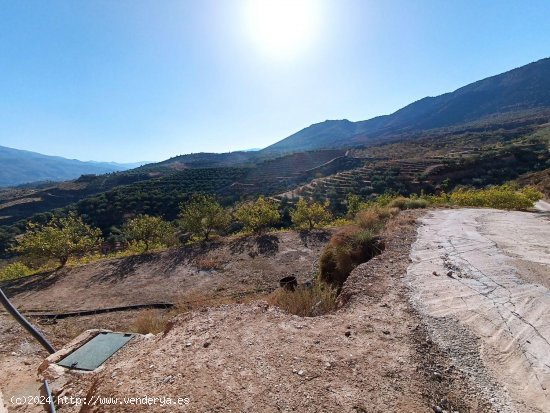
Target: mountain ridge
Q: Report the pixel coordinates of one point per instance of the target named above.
(520, 89)
(20, 167)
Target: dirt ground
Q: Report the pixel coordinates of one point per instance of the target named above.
(473, 337)
(480, 279)
(238, 266)
(372, 355)
(235, 270)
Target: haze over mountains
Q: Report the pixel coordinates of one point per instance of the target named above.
(510, 97)
(20, 167)
(526, 88)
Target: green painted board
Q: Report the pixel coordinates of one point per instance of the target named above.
(95, 352)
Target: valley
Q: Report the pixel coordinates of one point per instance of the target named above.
(398, 263)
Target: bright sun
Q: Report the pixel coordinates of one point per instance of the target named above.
(282, 29)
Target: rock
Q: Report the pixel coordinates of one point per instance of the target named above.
(437, 376)
(300, 373)
(347, 333)
(386, 332)
(188, 344)
(435, 273)
(437, 409)
(206, 344)
(450, 274)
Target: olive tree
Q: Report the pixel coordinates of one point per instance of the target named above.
(149, 231)
(202, 216)
(258, 215)
(59, 239)
(310, 214)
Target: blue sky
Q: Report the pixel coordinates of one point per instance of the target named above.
(145, 80)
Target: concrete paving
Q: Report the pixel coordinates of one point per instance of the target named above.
(481, 279)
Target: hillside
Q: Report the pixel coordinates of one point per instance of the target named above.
(517, 94)
(20, 167)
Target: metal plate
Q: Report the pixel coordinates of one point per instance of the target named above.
(95, 352)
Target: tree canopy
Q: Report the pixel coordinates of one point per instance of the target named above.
(149, 231)
(59, 239)
(310, 214)
(203, 215)
(259, 214)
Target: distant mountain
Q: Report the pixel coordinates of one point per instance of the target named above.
(19, 167)
(511, 93)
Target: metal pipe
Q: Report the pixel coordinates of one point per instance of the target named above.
(49, 397)
(26, 325)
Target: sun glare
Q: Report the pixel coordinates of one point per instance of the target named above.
(282, 29)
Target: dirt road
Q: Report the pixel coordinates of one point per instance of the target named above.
(480, 278)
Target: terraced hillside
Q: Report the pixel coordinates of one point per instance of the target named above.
(372, 177)
(106, 201)
(286, 172)
(476, 160)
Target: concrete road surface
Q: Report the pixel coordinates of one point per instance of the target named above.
(481, 280)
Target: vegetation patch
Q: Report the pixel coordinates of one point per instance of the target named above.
(309, 215)
(348, 247)
(306, 301)
(150, 321)
(14, 270)
(499, 197)
(258, 215)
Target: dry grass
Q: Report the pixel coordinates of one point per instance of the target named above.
(374, 218)
(306, 301)
(348, 247)
(150, 321)
(208, 263)
(398, 222)
(408, 203)
(197, 300)
(368, 219)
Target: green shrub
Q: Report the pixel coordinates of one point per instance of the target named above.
(499, 197)
(532, 194)
(14, 270)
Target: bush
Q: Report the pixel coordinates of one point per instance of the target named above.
(14, 270)
(304, 301)
(375, 217)
(258, 215)
(348, 247)
(369, 219)
(499, 197)
(408, 203)
(532, 194)
(310, 214)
